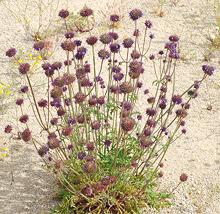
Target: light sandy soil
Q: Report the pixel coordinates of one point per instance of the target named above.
(25, 186)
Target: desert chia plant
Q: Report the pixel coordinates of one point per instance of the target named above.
(107, 155)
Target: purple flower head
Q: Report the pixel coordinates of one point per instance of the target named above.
(148, 24)
(77, 42)
(126, 105)
(116, 69)
(139, 84)
(63, 13)
(113, 35)
(24, 118)
(71, 121)
(56, 65)
(127, 43)
(114, 18)
(11, 52)
(103, 54)
(24, 89)
(114, 47)
(174, 38)
(151, 112)
(152, 36)
(24, 68)
(105, 38)
(19, 101)
(42, 103)
(209, 70)
(107, 143)
(85, 12)
(118, 76)
(91, 40)
(177, 99)
(69, 35)
(81, 155)
(96, 125)
(8, 129)
(152, 57)
(135, 54)
(38, 46)
(135, 14)
(81, 52)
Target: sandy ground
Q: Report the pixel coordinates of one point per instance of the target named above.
(25, 186)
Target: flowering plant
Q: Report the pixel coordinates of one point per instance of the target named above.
(106, 154)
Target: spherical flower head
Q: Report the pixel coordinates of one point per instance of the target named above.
(174, 38)
(56, 65)
(116, 69)
(135, 54)
(8, 129)
(126, 87)
(107, 143)
(118, 76)
(81, 155)
(174, 54)
(127, 124)
(64, 13)
(114, 18)
(77, 42)
(101, 100)
(69, 35)
(24, 118)
(209, 70)
(90, 146)
(126, 105)
(68, 45)
(135, 14)
(103, 54)
(56, 92)
(26, 135)
(114, 47)
(24, 68)
(148, 24)
(136, 33)
(152, 57)
(11, 52)
(92, 101)
(145, 142)
(128, 42)
(96, 125)
(19, 101)
(113, 35)
(67, 131)
(24, 89)
(151, 112)
(81, 52)
(183, 177)
(181, 113)
(68, 78)
(161, 52)
(147, 132)
(79, 97)
(53, 143)
(61, 112)
(151, 100)
(92, 40)
(54, 121)
(42, 151)
(87, 191)
(85, 12)
(139, 84)
(177, 99)
(90, 167)
(38, 46)
(42, 103)
(105, 38)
